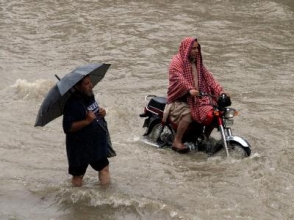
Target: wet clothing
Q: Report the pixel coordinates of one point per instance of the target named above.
(81, 170)
(177, 111)
(89, 144)
(182, 80)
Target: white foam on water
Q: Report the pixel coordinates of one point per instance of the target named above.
(31, 90)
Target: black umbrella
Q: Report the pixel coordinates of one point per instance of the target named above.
(53, 104)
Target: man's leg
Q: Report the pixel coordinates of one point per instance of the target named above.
(104, 176)
(77, 173)
(208, 130)
(77, 180)
(182, 127)
(102, 166)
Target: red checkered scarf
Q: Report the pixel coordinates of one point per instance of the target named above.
(181, 81)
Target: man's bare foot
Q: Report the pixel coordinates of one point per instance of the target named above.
(180, 148)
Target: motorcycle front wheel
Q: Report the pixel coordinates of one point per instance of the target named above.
(236, 150)
(162, 135)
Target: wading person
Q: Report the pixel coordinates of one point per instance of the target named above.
(86, 134)
(187, 78)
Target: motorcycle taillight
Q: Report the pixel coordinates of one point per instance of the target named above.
(145, 114)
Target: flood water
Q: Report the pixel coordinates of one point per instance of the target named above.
(249, 47)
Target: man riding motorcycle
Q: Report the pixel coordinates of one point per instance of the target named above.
(187, 78)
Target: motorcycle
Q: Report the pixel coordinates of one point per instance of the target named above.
(163, 133)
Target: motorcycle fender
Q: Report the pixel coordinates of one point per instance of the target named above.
(150, 123)
(239, 140)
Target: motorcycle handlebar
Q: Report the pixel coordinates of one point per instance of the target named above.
(222, 101)
(201, 94)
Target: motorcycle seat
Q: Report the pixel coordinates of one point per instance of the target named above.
(158, 103)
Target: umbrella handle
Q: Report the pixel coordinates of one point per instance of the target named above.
(57, 77)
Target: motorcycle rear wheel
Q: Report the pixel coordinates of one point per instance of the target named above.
(162, 135)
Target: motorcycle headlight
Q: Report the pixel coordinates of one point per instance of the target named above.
(230, 113)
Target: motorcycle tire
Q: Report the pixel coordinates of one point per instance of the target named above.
(236, 150)
(162, 135)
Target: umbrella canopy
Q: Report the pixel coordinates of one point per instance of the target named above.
(96, 71)
(54, 102)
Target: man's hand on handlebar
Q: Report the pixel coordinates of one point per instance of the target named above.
(194, 92)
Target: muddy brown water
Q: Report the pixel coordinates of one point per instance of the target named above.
(248, 46)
